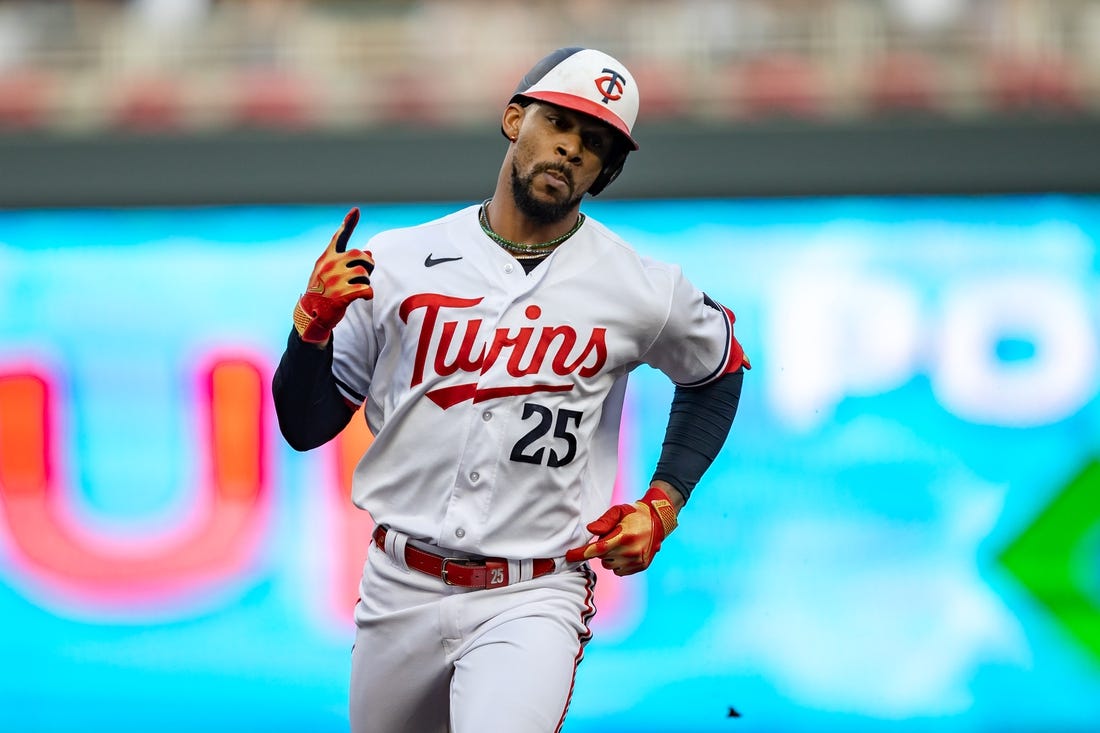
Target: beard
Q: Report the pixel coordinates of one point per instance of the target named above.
(538, 210)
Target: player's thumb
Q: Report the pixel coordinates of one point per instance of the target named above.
(609, 519)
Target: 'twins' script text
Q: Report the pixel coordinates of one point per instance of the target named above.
(555, 347)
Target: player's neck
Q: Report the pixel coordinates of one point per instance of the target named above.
(511, 224)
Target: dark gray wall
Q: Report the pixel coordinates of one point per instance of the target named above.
(765, 159)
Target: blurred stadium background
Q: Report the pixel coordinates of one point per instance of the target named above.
(743, 97)
(899, 198)
(201, 65)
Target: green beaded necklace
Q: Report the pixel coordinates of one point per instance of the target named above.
(523, 251)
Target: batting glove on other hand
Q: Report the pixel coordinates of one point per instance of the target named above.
(629, 535)
(338, 278)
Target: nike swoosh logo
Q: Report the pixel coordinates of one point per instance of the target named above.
(430, 261)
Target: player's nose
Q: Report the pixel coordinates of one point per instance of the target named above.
(569, 147)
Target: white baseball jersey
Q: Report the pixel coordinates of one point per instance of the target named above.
(495, 396)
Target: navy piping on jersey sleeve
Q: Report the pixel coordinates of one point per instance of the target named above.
(309, 405)
(348, 390)
(698, 424)
(723, 364)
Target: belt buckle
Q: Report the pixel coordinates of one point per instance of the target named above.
(443, 569)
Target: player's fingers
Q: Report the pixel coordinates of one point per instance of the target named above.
(601, 546)
(578, 554)
(609, 519)
(593, 549)
(596, 549)
(365, 262)
(621, 566)
(367, 265)
(343, 234)
(607, 530)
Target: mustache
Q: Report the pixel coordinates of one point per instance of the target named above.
(565, 172)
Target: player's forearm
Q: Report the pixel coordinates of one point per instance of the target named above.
(698, 424)
(310, 408)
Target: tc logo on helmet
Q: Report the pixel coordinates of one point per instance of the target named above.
(610, 86)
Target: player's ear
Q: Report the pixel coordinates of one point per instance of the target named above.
(512, 119)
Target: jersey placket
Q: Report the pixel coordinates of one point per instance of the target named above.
(463, 524)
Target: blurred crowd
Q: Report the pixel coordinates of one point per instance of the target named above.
(85, 66)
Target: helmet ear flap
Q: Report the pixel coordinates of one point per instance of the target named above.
(611, 170)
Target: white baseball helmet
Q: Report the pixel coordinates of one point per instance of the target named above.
(593, 83)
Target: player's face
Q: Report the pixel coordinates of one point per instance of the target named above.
(559, 153)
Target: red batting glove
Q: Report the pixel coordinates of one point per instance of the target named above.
(629, 535)
(338, 278)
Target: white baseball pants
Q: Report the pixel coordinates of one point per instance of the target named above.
(433, 658)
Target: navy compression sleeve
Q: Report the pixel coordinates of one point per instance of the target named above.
(310, 408)
(698, 423)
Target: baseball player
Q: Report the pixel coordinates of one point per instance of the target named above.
(491, 348)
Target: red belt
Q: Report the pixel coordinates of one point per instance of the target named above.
(489, 572)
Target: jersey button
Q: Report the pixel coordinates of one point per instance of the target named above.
(486, 416)
(474, 476)
(508, 268)
(460, 532)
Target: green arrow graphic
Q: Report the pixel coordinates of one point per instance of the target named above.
(1056, 561)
